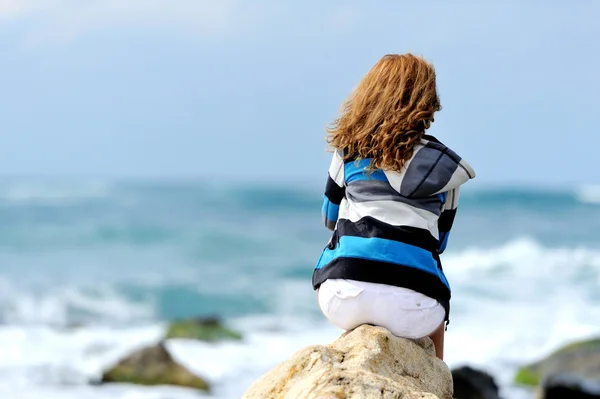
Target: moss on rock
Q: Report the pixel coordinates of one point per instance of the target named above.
(526, 376)
(207, 329)
(580, 359)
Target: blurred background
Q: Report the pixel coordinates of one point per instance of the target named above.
(164, 160)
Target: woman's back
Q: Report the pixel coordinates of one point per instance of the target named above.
(387, 224)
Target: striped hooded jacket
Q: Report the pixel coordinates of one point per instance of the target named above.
(390, 227)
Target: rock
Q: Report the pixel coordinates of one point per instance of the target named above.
(560, 386)
(368, 362)
(580, 358)
(203, 329)
(474, 384)
(153, 366)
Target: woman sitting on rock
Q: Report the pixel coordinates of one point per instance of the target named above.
(390, 199)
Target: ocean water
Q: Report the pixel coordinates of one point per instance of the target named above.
(90, 270)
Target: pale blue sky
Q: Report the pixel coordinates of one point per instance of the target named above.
(230, 89)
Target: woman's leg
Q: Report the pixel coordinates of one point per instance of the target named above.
(412, 315)
(438, 341)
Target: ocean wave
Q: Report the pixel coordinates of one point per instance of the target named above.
(138, 295)
(58, 363)
(191, 249)
(124, 294)
(589, 194)
(64, 306)
(259, 197)
(525, 258)
(49, 192)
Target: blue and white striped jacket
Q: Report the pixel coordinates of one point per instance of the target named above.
(390, 227)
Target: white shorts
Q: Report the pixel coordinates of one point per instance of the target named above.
(404, 312)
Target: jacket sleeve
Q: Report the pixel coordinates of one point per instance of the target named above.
(446, 219)
(335, 191)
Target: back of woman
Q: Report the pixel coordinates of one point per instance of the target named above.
(391, 197)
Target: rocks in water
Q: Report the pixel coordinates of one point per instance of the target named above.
(560, 386)
(580, 359)
(470, 383)
(203, 329)
(153, 366)
(368, 362)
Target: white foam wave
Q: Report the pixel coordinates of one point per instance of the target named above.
(589, 194)
(52, 192)
(523, 258)
(59, 363)
(65, 305)
(517, 302)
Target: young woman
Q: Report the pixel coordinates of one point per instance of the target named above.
(390, 199)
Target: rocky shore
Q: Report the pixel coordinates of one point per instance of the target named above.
(368, 362)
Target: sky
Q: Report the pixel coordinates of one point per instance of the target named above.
(242, 90)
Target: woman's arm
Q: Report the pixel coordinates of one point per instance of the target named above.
(447, 216)
(335, 190)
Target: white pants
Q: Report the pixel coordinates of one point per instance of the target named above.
(404, 312)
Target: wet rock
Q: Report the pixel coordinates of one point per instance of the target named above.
(581, 359)
(470, 383)
(569, 386)
(152, 365)
(203, 329)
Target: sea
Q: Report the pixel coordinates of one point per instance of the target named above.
(91, 270)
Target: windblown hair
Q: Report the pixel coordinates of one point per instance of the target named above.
(388, 112)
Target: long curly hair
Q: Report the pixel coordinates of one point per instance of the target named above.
(388, 112)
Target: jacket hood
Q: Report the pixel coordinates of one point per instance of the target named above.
(433, 169)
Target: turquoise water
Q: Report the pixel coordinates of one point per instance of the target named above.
(128, 256)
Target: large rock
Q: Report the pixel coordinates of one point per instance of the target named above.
(580, 359)
(368, 362)
(204, 329)
(470, 383)
(153, 366)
